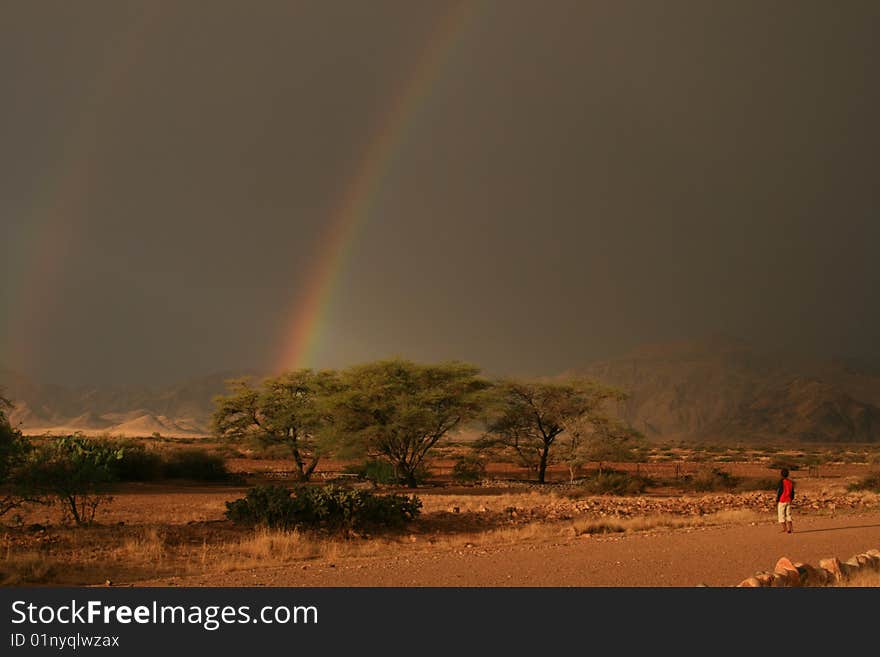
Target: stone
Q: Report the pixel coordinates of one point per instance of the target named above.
(784, 564)
(851, 567)
(863, 560)
(751, 582)
(779, 580)
(811, 576)
(789, 571)
(833, 566)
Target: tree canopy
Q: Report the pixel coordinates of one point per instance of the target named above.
(290, 409)
(398, 410)
(529, 416)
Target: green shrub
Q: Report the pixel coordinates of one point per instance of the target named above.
(14, 452)
(271, 506)
(469, 468)
(380, 472)
(74, 471)
(383, 472)
(332, 507)
(196, 464)
(138, 463)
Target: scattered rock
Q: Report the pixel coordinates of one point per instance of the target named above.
(833, 567)
(751, 582)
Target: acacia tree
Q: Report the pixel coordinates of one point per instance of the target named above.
(529, 416)
(397, 410)
(289, 409)
(597, 438)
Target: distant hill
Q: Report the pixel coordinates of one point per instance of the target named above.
(714, 389)
(724, 389)
(179, 410)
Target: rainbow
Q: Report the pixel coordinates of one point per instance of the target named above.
(310, 311)
(50, 230)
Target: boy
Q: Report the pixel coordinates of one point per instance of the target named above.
(784, 496)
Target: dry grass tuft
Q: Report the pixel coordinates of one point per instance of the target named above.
(645, 523)
(868, 579)
(147, 547)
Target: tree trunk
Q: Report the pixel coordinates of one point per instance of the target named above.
(300, 466)
(542, 467)
(71, 500)
(307, 474)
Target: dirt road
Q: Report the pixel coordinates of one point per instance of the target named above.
(715, 556)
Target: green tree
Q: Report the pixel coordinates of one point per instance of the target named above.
(397, 410)
(14, 450)
(74, 470)
(529, 416)
(290, 409)
(598, 438)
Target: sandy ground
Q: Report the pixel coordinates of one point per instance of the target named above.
(715, 556)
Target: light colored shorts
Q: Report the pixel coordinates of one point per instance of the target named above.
(784, 511)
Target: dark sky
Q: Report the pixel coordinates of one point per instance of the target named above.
(581, 178)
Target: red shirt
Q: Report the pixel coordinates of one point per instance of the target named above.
(787, 490)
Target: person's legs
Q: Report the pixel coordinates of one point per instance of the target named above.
(780, 511)
(788, 517)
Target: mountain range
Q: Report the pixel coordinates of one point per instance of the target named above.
(180, 410)
(724, 389)
(709, 389)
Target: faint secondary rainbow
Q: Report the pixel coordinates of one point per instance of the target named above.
(50, 229)
(310, 312)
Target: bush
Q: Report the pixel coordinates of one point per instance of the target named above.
(14, 452)
(141, 464)
(383, 472)
(196, 464)
(468, 469)
(613, 482)
(710, 479)
(138, 464)
(870, 482)
(263, 505)
(332, 507)
(380, 472)
(73, 470)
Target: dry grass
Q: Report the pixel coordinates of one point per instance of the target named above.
(26, 568)
(645, 523)
(269, 547)
(264, 547)
(148, 546)
(869, 579)
(151, 551)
